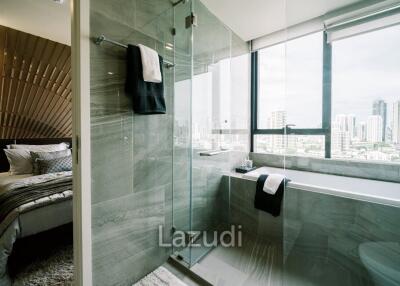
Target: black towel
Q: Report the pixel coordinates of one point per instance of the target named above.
(147, 97)
(267, 202)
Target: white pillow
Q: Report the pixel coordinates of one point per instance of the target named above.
(20, 161)
(40, 148)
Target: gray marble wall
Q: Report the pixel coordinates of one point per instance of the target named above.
(131, 154)
(254, 222)
(320, 234)
(323, 234)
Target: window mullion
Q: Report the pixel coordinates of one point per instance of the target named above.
(254, 94)
(327, 94)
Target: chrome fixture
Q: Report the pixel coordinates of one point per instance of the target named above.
(180, 1)
(100, 39)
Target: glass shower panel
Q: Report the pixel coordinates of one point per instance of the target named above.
(182, 133)
(345, 87)
(211, 122)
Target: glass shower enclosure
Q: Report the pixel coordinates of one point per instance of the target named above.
(163, 175)
(206, 123)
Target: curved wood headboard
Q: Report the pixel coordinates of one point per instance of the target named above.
(4, 166)
(35, 86)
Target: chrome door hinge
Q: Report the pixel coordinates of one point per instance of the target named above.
(76, 146)
(191, 20)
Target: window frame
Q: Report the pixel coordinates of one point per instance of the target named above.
(326, 102)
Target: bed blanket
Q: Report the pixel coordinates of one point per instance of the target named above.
(22, 196)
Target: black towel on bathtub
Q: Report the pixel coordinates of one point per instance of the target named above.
(147, 97)
(267, 202)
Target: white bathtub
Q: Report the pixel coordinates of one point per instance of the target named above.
(360, 189)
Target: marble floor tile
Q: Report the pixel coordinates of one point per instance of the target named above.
(256, 263)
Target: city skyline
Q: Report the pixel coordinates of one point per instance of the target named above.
(291, 76)
(350, 137)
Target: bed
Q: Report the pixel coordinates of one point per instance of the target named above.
(48, 203)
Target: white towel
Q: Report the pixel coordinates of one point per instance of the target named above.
(272, 183)
(151, 64)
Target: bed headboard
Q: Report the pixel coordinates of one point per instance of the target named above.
(4, 166)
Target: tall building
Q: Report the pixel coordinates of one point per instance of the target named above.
(396, 123)
(374, 129)
(346, 123)
(343, 131)
(362, 131)
(340, 139)
(277, 120)
(380, 108)
(351, 126)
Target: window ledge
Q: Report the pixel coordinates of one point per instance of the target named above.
(389, 172)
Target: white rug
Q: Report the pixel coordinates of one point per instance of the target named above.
(160, 277)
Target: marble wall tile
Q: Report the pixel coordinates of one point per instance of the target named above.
(242, 212)
(320, 234)
(131, 155)
(329, 231)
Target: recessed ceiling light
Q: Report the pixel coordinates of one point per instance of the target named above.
(59, 1)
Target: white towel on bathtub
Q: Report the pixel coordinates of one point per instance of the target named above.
(151, 64)
(272, 183)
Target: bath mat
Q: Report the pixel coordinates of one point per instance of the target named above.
(56, 270)
(160, 277)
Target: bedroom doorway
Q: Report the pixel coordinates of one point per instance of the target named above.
(36, 131)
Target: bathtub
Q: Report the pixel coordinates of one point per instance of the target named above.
(380, 192)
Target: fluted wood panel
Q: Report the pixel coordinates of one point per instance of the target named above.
(35, 87)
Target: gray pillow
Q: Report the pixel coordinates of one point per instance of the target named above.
(61, 164)
(46, 156)
(20, 161)
(40, 148)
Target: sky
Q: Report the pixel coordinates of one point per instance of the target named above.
(364, 68)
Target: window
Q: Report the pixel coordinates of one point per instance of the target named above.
(334, 100)
(366, 96)
(289, 98)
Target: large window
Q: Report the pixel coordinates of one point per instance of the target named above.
(334, 100)
(289, 98)
(366, 96)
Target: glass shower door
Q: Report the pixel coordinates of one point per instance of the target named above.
(201, 128)
(182, 143)
(211, 120)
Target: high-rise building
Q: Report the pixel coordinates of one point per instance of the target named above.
(340, 139)
(374, 128)
(351, 126)
(346, 123)
(362, 131)
(343, 131)
(277, 120)
(396, 123)
(380, 108)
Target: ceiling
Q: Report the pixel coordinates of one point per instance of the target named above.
(251, 19)
(44, 18)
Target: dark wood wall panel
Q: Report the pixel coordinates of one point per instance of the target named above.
(35, 87)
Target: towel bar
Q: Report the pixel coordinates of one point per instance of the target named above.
(103, 38)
